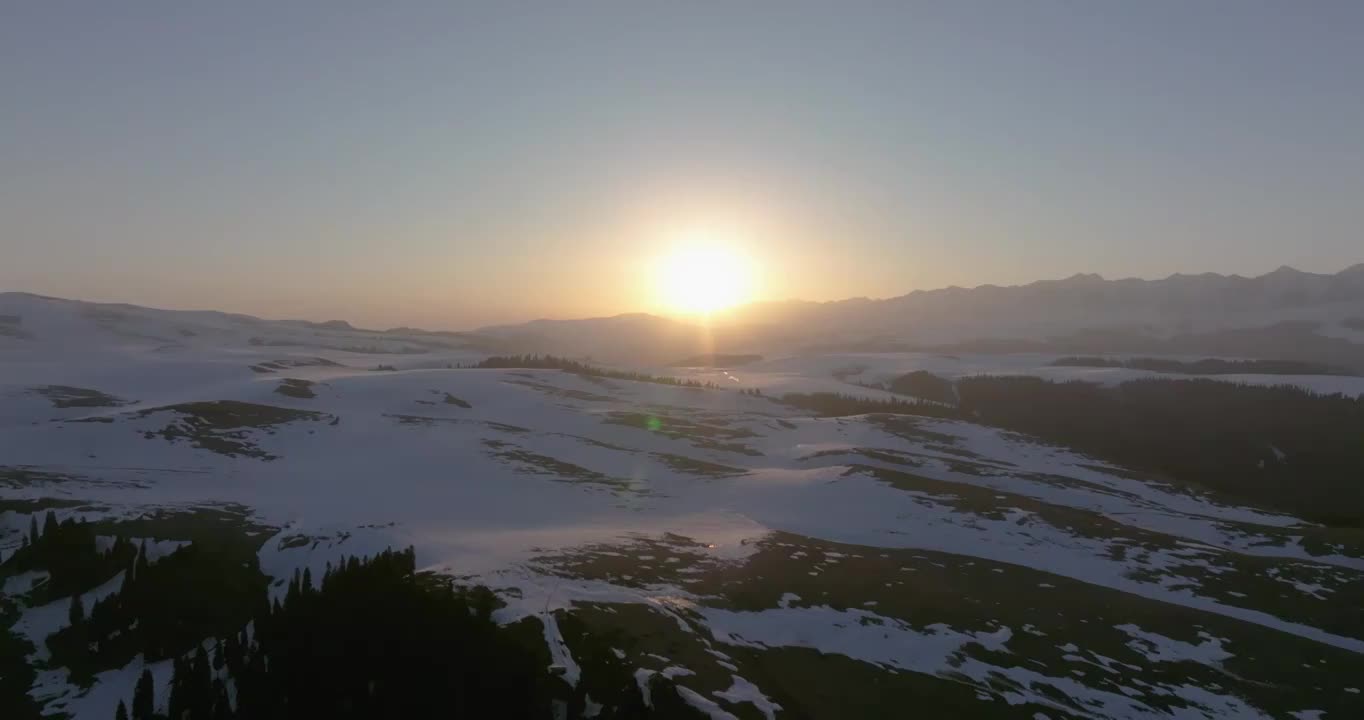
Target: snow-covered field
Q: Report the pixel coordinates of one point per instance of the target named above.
(891, 555)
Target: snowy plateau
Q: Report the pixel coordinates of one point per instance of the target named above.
(769, 561)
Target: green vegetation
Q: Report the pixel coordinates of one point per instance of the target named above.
(718, 360)
(1279, 447)
(840, 405)
(560, 470)
(16, 674)
(920, 383)
(65, 396)
(705, 435)
(692, 466)
(452, 400)
(70, 554)
(12, 326)
(296, 388)
(551, 362)
(163, 608)
(292, 362)
(374, 639)
(223, 426)
(1206, 366)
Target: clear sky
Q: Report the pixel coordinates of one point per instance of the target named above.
(447, 164)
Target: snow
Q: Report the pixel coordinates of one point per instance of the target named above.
(704, 704)
(1158, 648)
(642, 681)
(743, 691)
(558, 650)
(402, 468)
(23, 582)
(935, 649)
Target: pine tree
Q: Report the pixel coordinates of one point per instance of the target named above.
(177, 702)
(122, 712)
(141, 565)
(218, 659)
(33, 536)
(144, 697)
(307, 586)
(49, 523)
(125, 589)
(200, 686)
(76, 615)
(222, 706)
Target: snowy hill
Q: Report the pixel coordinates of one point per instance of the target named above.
(769, 561)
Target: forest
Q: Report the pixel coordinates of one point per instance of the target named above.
(369, 638)
(551, 362)
(1206, 366)
(1279, 447)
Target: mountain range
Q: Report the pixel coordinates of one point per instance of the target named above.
(1286, 314)
(1287, 311)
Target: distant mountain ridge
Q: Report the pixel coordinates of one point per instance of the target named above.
(1083, 312)
(1286, 314)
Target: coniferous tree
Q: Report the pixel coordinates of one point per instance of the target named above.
(142, 562)
(201, 696)
(33, 536)
(49, 523)
(76, 614)
(222, 706)
(144, 697)
(122, 712)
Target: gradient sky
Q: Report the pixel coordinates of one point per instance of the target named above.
(448, 165)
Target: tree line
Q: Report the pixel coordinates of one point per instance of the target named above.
(375, 639)
(1282, 447)
(1206, 366)
(370, 638)
(552, 362)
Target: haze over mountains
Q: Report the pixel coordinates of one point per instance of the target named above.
(1284, 314)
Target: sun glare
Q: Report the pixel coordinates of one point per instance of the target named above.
(703, 278)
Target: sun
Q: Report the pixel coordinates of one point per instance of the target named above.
(703, 278)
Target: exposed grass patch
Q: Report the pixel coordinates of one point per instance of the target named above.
(225, 426)
(34, 505)
(65, 396)
(718, 360)
(20, 477)
(538, 464)
(296, 388)
(709, 436)
(562, 392)
(452, 400)
(693, 466)
(219, 523)
(12, 326)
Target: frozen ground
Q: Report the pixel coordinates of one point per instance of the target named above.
(746, 547)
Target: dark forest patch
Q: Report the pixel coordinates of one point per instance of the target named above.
(225, 426)
(296, 388)
(66, 396)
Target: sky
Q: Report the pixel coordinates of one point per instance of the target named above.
(450, 165)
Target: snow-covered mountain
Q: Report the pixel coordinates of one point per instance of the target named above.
(771, 562)
(1179, 303)
(1181, 313)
